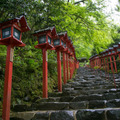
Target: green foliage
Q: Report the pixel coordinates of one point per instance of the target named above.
(87, 27)
(85, 24)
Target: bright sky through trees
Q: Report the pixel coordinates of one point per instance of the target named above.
(110, 9)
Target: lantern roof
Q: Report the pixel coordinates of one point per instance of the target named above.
(45, 30)
(66, 36)
(21, 20)
(115, 46)
(106, 50)
(110, 48)
(62, 33)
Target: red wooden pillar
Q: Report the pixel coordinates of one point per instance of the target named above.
(95, 62)
(67, 66)
(114, 63)
(70, 68)
(119, 55)
(59, 71)
(107, 65)
(112, 70)
(45, 73)
(8, 83)
(103, 63)
(111, 64)
(64, 67)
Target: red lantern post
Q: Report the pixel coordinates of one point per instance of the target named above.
(45, 42)
(59, 45)
(71, 66)
(118, 50)
(64, 57)
(11, 33)
(68, 58)
(114, 54)
(111, 63)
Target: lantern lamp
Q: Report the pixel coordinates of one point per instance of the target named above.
(11, 31)
(45, 37)
(6, 32)
(113, 51)
(64, 44)
(42, 39)
(118, 50)
(56, 42)
(16, 33)
(109, 53)
(59, 43)
(49, 40)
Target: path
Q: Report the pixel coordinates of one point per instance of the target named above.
(88, 97)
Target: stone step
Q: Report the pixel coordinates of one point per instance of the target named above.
(85, 92)
(51, 106)
(82, 97)
(106, 96)
(89, 96)
(82, 114)
(91, 104)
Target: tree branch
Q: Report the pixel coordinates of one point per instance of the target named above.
(79, 2)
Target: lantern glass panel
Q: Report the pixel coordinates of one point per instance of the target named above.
(62, 43)
(6, 32)
(16, 33)
(113, 51)
(42, 39)
(118, 50)
(56, 42)
(49, 40)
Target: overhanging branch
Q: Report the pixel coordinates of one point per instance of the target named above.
(79, 2)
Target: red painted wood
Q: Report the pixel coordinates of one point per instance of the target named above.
(119, 56)
(107, 65)
(67, 66)
(45, 73)
(59, 71)
(7, 86)
(114, 63)
(111, 64)
(64, 67)
(70, 64)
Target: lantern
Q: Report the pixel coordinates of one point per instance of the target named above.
(11, 31)
(45, 38)
(113, 52)
(59, 43)
(118, 49)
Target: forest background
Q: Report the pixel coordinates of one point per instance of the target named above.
(85, 23)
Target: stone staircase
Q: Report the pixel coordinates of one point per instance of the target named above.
(89, 96)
